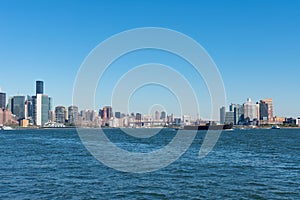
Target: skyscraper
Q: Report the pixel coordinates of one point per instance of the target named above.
(18, 106)
(156, 116)
(107, 112)
(60, 114)
(250, 110)
(163, 115)
(39, 87)
(118, 115)
(229, 117)
(28, 107)
(2, 100)
(269, 102)
(222, 114)
(239, 114)
(73, 114)
(41, 105)
(263, 111)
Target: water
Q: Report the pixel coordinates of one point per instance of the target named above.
(246, 164)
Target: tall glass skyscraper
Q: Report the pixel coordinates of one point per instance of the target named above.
(39, 87)
(41, 105)
(18, 106)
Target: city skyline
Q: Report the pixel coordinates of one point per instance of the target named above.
(240, 37)
(39, 87)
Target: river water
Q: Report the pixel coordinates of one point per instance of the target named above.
(244, 164)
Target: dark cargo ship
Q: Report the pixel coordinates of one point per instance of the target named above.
(209, 126)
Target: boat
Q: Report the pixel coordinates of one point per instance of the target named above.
(275, 127)
(6, 128)
(209, 127)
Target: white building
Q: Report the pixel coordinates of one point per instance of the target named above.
(186, 120)
(250, 110)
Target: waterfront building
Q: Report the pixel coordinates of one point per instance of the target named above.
(269, 102)
(278, 120)
(250, 110)
(163, 115)
(186, 120)
(2, 100)
(222, 114)
(263, 111)
(18, 106)
(7, 117)
(238, 114)
(28, 107)
(138, 117)
(51, 116)
(73, 114)
(177, 121)
(291, 121)
(60, 116)
(24, 123)
(118, 115)
(170, 119)
(66, 115)
(156, 116)
(41, 105)
(229, 117)
(107, 112)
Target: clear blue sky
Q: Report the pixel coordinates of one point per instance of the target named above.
(255, 44)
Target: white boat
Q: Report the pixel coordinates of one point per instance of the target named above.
(6, 128)
(275, 127)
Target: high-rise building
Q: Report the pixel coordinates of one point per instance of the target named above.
(238, 114)
(250, 110)
(28, 107)
(269, 102)
(138, 116)
(51, 116)
(73, 114)
(40, 109)
(263, 111)
(2, 100)
(229, 117)
(41, 105)
(60, 114)
(118, 115)
(9, 104)
(156, 116)
(163, 115)
(222, 114)
(170, 118)
(107, 112)
(186, 120)
(18, 106)
(39, 87)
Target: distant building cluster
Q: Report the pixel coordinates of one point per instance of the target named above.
(30, 110)
(37, 110)
(253, 113)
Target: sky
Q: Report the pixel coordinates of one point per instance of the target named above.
(255, 45)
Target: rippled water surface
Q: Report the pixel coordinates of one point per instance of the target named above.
(246, 164)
